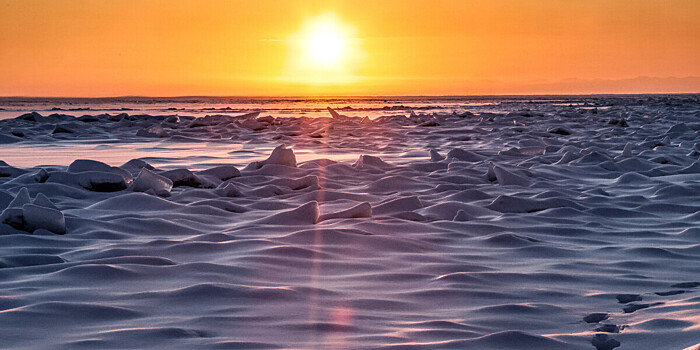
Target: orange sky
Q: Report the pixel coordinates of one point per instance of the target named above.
(170, 48)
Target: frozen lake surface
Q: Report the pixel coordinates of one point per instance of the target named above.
(382, 223)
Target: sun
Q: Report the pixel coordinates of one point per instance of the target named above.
(324, 51)
(325, 43)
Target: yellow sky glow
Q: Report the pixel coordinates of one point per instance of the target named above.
(343, 47)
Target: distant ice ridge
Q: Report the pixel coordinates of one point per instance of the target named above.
(35, 127)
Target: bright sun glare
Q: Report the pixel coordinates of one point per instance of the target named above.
(324, 51)
(325, 44)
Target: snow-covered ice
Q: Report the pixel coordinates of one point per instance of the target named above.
(531, 223)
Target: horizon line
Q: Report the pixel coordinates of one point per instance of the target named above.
(353, 96)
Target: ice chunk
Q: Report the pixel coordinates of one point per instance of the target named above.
(10, 171)
(398, 205)
(253, 124)
(33, 116)
(148, 180)
(430, 122)
(461, 216)
(627, 151)
(306, 182)
(117, 117)
(5, 139)
(83, 165)
(362, 210)
(465, 156)
(135, 165)
(666, 141)
(223, 172)
(228, 190)
(266, 119)
(21, 199)
(559, 130)
(280, 155)
(435, 156)
(153, 131)
(43, 201)
(370, 161)
(40, 176)
(505, 177)
(23, 215)
(603, 342)
(62, 129)
(102, 182)
(333, 113)
(36, 217)
(80, 165)
(303, 215)
(182, 177)
(98, 181)
(679, 129)
(566, 158)
(251, 115)
(88, 119)
(12, 217)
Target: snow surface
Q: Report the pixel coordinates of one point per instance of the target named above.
(540, 226)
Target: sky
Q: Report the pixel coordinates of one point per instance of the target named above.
(357, 47)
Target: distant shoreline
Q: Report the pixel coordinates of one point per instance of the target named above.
(356, 97)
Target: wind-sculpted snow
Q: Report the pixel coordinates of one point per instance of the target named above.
(543, 226)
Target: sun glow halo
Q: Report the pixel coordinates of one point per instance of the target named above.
(325, 44)
(324, 51)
